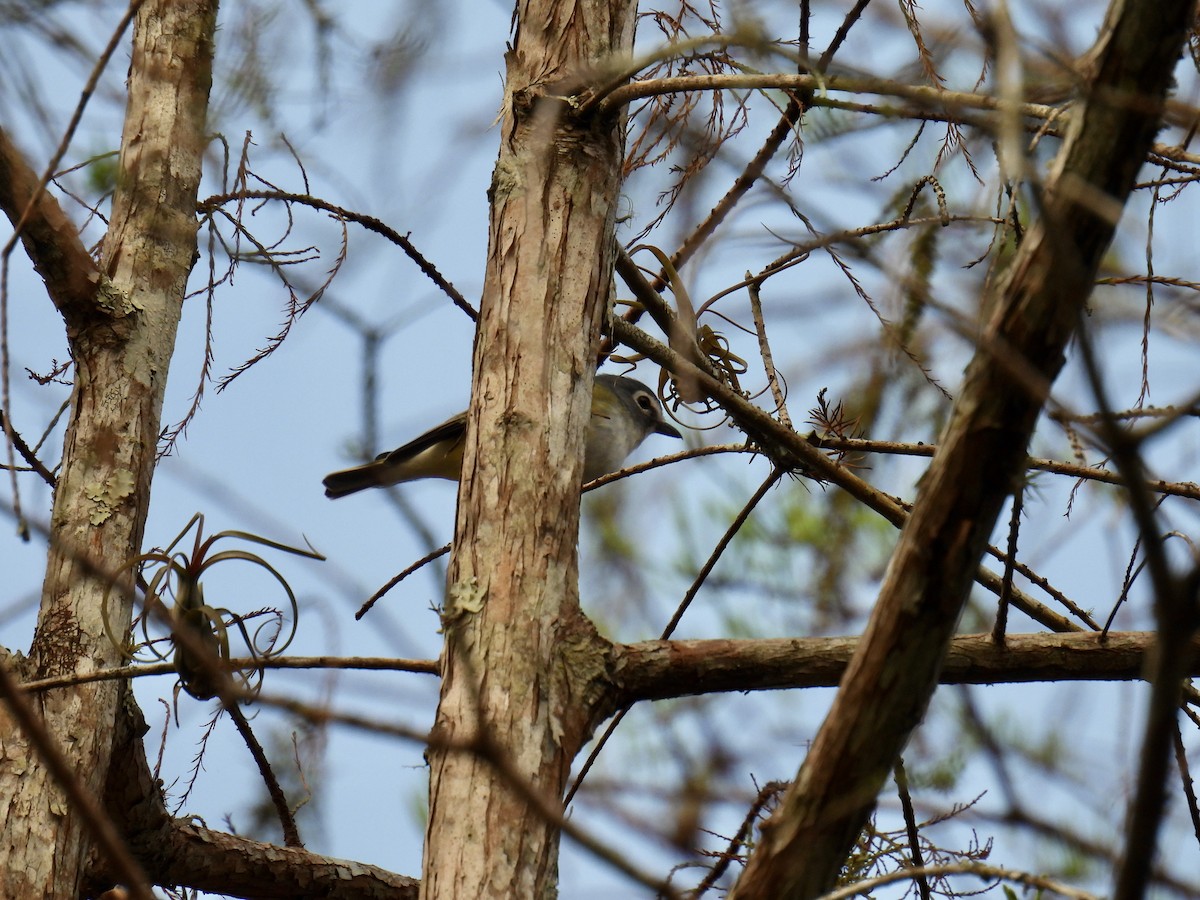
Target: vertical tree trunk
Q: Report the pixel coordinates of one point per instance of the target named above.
(121, 338)
(514, 638)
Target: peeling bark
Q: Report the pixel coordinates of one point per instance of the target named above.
(517, 651)
(122, 335)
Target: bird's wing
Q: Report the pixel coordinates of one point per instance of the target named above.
(453, 430)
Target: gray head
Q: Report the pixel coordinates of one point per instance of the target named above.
(624, 413)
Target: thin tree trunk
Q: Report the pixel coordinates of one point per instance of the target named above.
(122, 335)
(515, 642)
(893, 673)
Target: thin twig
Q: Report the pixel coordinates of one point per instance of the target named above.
(26, 452)
(215, 202)
(291, 834)
(701, 576)
(1176, 615)
(764, 349)
(981, 870)
(1185, 777)
(600, 482)
(1010, 558)
(363, 663)
(395, 580)
(769, 791)
(910, 825)
(718, 551)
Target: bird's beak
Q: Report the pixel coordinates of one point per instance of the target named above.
(668, 429)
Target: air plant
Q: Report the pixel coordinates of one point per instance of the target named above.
(199, 641)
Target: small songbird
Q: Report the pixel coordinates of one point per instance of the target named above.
(624, 413)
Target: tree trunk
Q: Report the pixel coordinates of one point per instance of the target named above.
(516, 647)
(121, 337)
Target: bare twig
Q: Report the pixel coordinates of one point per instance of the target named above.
(364, 663)
(910, 825)
(968, 867)
(291, 834)
(211, 204)
(701, 576)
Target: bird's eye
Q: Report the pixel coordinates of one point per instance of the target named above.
(646, 402)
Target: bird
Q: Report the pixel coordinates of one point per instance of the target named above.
(624, 413)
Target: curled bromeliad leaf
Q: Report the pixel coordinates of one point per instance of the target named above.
(197, 641)
(701, 345)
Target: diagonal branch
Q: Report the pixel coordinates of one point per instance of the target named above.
(50, 238)
(888, 684)
(26, 451)
(792, 451)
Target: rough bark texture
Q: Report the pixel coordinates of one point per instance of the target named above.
(516, 647)
(892, 675)
(122, 334)
(663, 670)
(182, 852)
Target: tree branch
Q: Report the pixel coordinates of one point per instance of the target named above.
(948, 105)
(26, 451)
(49, 236)
(665, 670)
(179, 852)
(921, 95)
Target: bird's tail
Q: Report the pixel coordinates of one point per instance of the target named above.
(350, 481)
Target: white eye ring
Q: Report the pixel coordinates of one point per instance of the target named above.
(646, 402)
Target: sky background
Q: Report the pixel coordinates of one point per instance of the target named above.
(419, 157)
